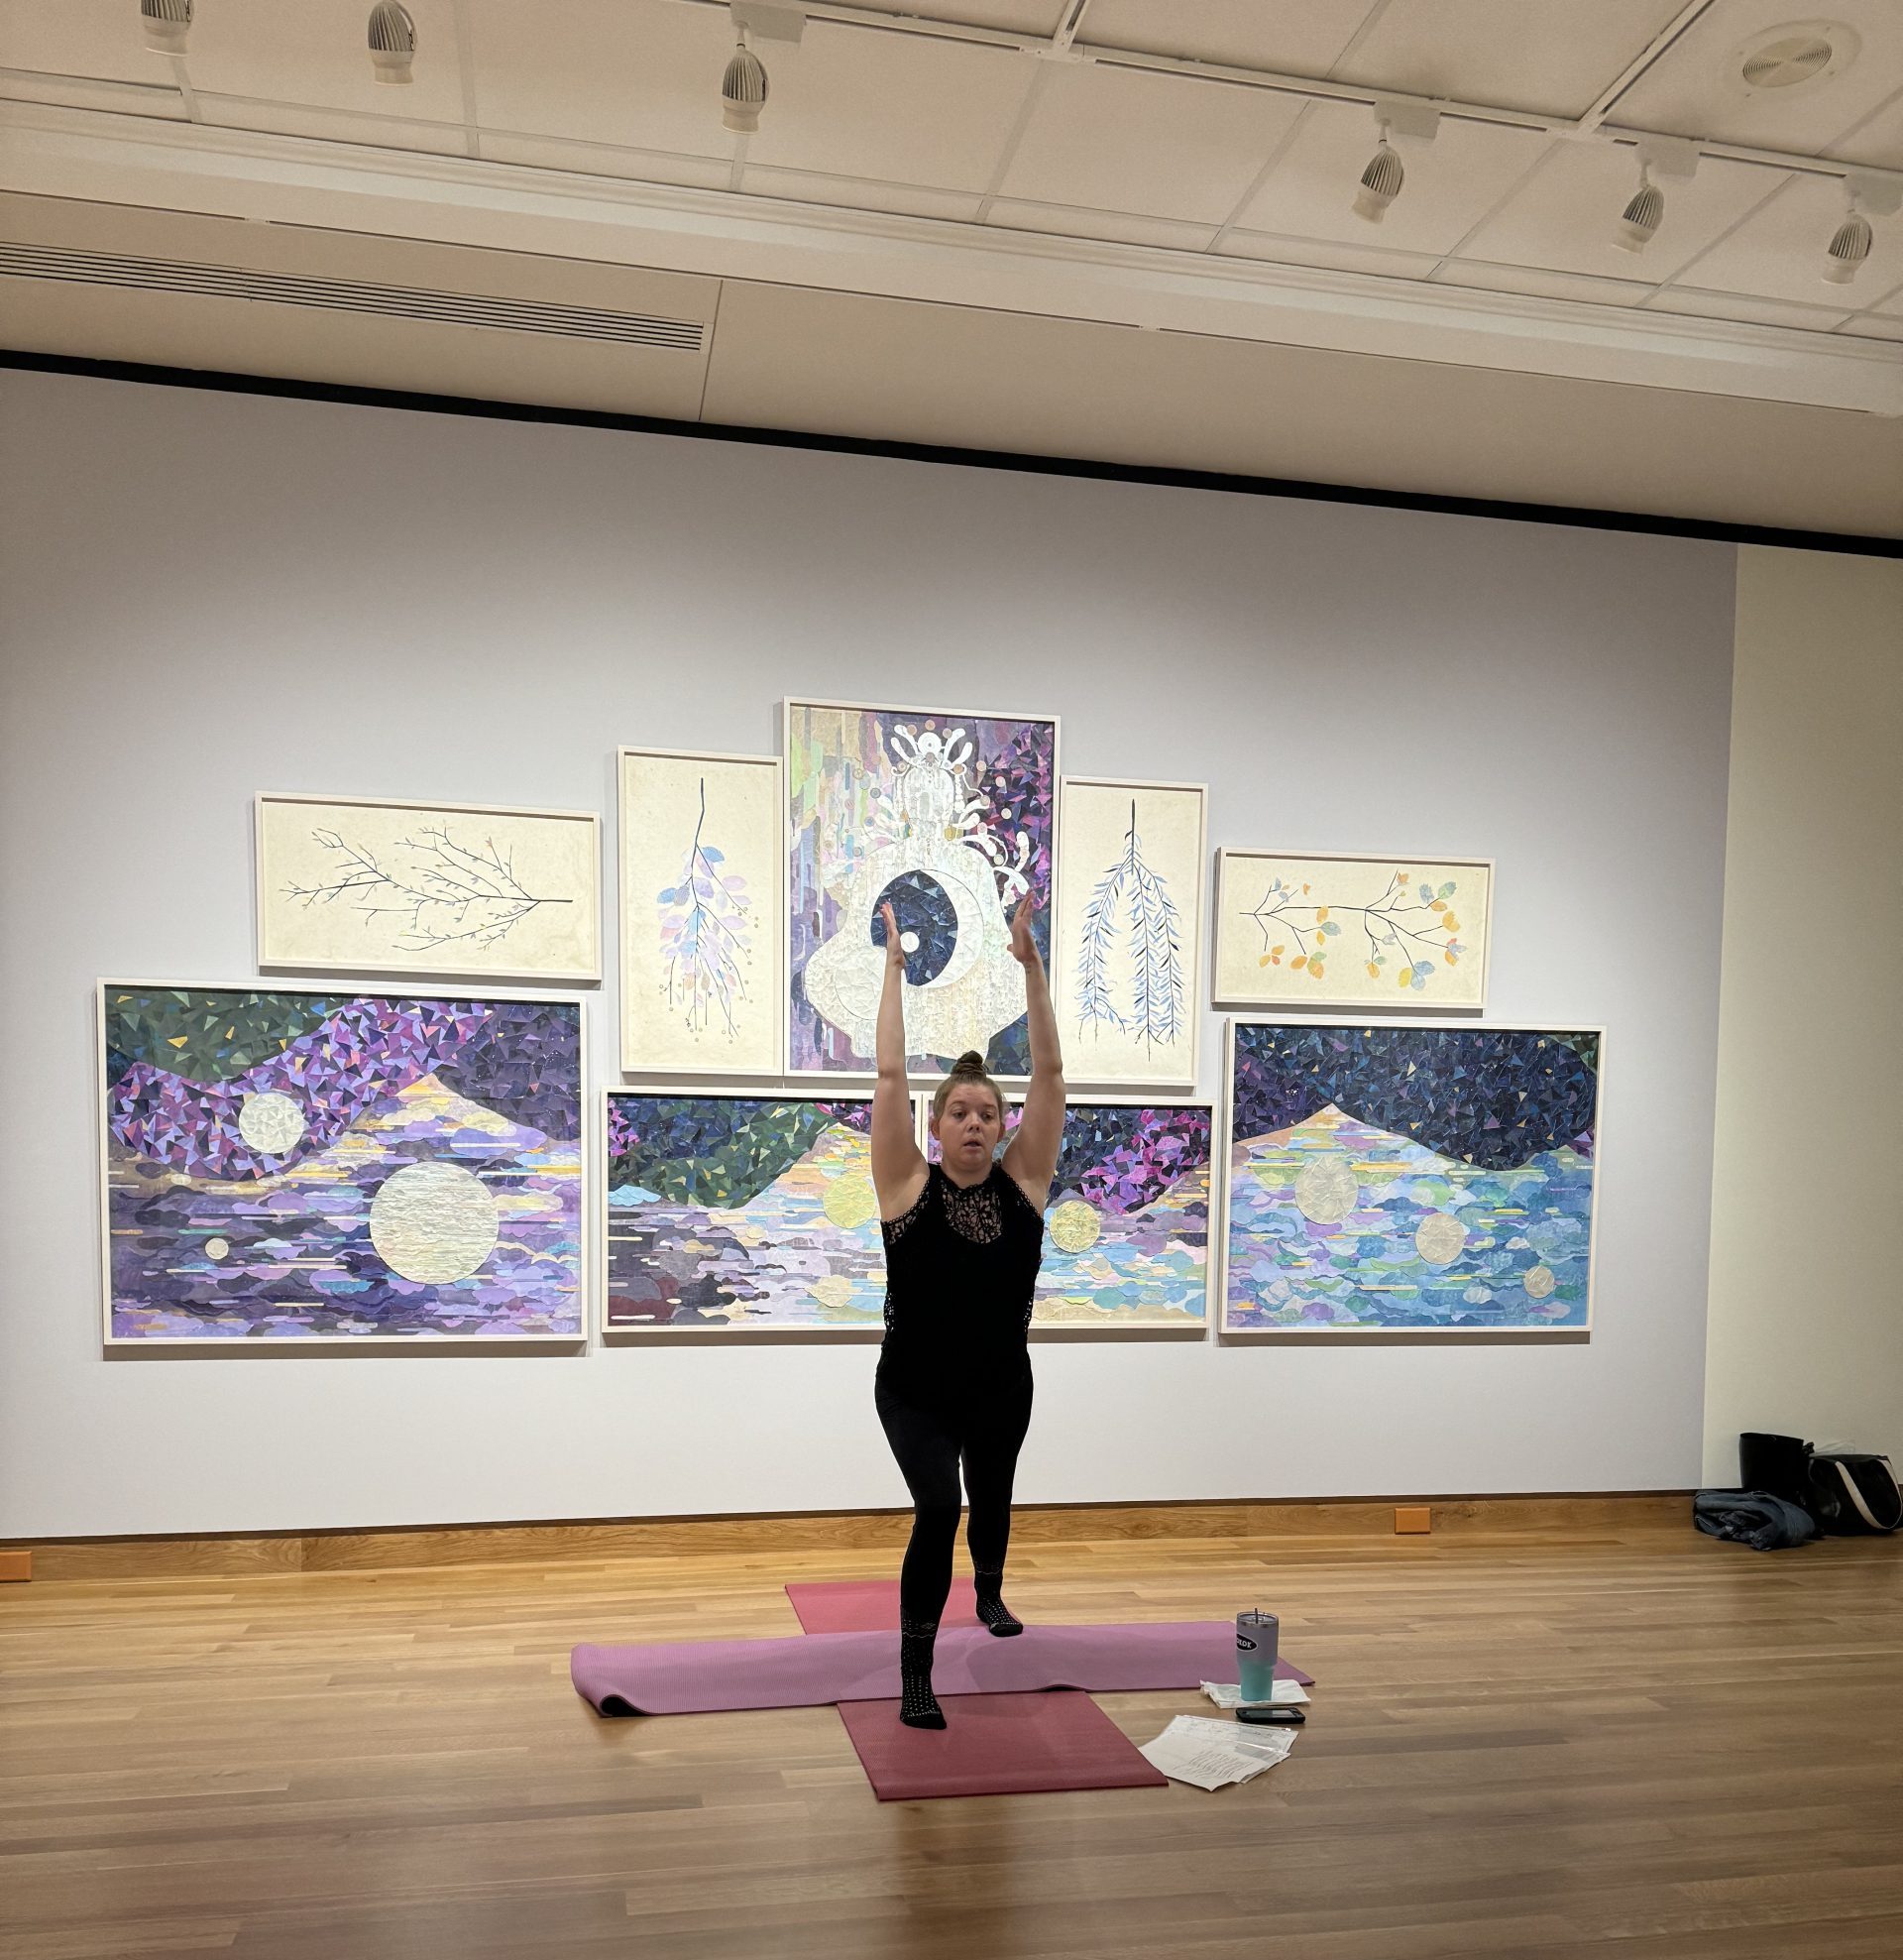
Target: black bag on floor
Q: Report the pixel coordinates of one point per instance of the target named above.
(1780, 1464)
(1853, 1494)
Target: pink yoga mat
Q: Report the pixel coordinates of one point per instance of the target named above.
(995, 1745)
(867, 1605)
(810, 1670)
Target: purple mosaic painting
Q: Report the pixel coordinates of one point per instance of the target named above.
(949, 818)
(291, 1166)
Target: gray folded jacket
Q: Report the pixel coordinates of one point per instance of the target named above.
(1753, 1517)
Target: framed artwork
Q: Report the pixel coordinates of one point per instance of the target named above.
(950, 817)
(1409, 1177)
(1127, 952)
(1126, 1230)
(732, 1211)
(1335, 931)
(293, 1165)
(702, 918)
(365, 885)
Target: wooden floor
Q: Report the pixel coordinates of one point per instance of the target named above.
(1626, 1745)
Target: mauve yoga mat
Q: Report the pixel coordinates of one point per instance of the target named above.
(996, 1745)
(867, 1605)
(697, 1676)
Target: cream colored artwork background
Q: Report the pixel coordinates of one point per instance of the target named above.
(1126, 979)
(427, 888)
(1405, 932)
(701, 914)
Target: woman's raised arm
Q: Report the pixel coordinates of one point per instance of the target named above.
(1032, 1158)
(898, 1166)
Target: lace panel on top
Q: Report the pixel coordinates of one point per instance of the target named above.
(976, 1213)
(891, 1229)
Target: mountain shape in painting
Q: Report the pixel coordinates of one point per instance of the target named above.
(803, 1252)
(321, 1246)
(1337, 1222)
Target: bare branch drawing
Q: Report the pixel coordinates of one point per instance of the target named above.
(1405, 928)
(704, 934)
(448, 894)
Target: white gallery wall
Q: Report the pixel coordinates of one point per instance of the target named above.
(202, 595)
(1805, 1335)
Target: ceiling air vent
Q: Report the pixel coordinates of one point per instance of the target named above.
(345, 296)
(1799, 54)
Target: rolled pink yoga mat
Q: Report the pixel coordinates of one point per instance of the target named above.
(699, 1677)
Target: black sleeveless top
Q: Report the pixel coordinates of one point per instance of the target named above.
(961, 1267)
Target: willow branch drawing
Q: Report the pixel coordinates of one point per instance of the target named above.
(1130, 899)
(447, 894)
(705, 940)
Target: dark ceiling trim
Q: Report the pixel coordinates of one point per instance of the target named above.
(924, 452)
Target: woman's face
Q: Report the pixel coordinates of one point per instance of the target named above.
(968, 1128)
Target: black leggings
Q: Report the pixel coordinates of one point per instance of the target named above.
(985, 1433)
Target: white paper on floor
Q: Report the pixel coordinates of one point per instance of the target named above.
(1194, 1749)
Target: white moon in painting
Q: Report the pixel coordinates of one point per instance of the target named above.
(1438, 1238)
(1326, 1191)
(271, 1123)
(433, 1223)
(217, 1249)
(1540, 1282)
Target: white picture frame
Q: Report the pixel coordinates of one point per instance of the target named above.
(659, 1039)
(1224, 1179)
(724, 1091)
(1106, 898)
(386, 865)
(920, 1069)
(1254, 968)
(188, 1347)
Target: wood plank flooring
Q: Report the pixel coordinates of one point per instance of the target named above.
(1627, 1744)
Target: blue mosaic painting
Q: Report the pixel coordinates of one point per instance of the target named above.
(1400, 1177)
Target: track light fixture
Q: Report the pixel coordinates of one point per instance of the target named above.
(744, 90)
(167, 24)
(393, 42)
(1381, 181)
(1849, 246)
(1638, 223)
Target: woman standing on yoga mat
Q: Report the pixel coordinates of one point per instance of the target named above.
(962, 1241)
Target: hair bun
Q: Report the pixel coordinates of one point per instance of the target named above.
(971, 1063)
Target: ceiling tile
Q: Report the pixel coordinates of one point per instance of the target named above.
(1778, 252)
(1877, 139)
(550, 152)
(1548, 56)
(1116, 140)
(1540, 284)
(1876, 326)
(1039, 16)
(850, 103)
(1696, 87)
(78, 38)
(1328, 255)
(1736, 307)
(125, 98)
(641, 74)
(316, 51)
(854, 194)
(1564, 216)
(1451, 184)
(1246, 33)
(1116, 227)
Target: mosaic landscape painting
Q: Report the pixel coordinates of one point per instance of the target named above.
(741, 1212)
(341, 1165)
(953, 820)
(1407, 1177)
(1125, 1234)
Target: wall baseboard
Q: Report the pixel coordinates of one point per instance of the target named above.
(389, 1547)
